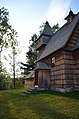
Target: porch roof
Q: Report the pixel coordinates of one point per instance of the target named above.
(42, 65)
(30, 75)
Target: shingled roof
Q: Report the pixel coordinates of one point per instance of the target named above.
(47, 29)
(60, 38)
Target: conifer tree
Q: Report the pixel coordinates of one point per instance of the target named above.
(31, 56)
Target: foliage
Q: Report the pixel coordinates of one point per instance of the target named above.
(31, 56)
(5, 80)
(19, 83)
(55, 27)
(41, 28)
(32, 42)
(45, 105)
(8, 36)
(5, 28)
(8, 39)
(13, 43)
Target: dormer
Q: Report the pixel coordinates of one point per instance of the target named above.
(70, 17)
(44, 37)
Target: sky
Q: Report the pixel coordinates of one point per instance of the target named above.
(27, 15)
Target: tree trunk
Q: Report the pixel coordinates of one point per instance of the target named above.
(0, 62)
(14, 81)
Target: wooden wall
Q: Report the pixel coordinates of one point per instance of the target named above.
(58, 76)
(73, 39)
(29, 82)
(76, 58)
(69, 68)
(65, 70)
(39, 52)
(71, 60)
(42, 40)
(44, 78)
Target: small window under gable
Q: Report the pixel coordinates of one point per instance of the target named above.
(53, 60)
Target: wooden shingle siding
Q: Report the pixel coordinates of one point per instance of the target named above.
(76, 57)
(40, 51)
(29, 82)
(42, 41)
(71, 43)
(64, 68)
(71, 69)
(58, 68)
(68, 56)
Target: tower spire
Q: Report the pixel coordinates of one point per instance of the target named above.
(47, 29)
(70, 16)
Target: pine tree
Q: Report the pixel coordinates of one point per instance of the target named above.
(31, 56)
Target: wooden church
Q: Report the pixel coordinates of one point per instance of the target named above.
(58, 57)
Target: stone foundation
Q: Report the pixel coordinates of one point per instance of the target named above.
(64, 89)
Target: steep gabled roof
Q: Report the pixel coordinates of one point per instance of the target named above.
(60, 38)
(47, 29)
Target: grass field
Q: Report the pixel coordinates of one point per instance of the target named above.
(45, 105)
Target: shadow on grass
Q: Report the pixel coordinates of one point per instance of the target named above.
(6, 109)
(43, 111)
(36, 106)
(72, 95)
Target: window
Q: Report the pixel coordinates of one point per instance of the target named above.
(53, 60)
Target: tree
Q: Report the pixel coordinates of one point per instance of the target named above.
(55, 28)
(13, 46)
(5, 81)
(4, 30)
(41, 28)
(32, 42)
(31, 56)
(8, 39)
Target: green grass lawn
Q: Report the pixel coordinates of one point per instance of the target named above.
(45, 105)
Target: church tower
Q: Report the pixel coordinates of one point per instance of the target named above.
(43, 39)
(70, 16)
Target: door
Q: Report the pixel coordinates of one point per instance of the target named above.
(36, 77)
